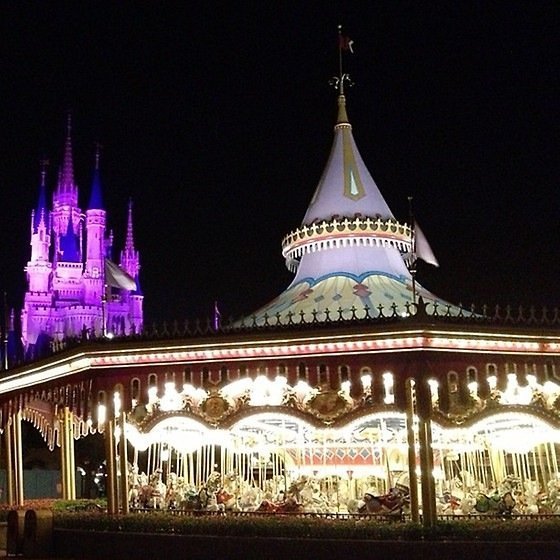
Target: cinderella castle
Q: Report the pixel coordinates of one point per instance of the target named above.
(73, 286)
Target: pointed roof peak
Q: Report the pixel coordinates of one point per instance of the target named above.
(67, 190)
(41, 212)
(129, 243)
(68, 163)
(96, 197)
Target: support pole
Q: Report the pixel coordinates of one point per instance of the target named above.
(424, 403)
(411, 441)
(112, 502)
(9, 462)
(68, 461)
(63, 451)
(123, 465)
(18, 456)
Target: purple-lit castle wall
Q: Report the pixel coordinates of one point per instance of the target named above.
(68, 293)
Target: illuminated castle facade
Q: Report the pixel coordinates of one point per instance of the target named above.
(70, 291)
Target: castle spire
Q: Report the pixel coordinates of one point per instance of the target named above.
(129, 243)
(130, 258)
(96, 198)
(67, 191)
(41, 211)
(68, 163)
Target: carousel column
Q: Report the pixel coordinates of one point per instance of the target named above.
(411, 441)
(424, 407)
(18, 456)
(123, 455)
(107, 423)
(14, 460)
(9, 463)
(68, 460)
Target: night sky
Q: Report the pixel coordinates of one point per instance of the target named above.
(217, 120)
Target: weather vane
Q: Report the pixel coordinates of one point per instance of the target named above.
(344, 44)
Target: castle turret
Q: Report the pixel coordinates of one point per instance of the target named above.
(130, 259)
(130, 263)
(39, 268)
(38, 297)
(95, 240)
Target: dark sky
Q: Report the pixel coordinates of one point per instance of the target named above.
(217, 120)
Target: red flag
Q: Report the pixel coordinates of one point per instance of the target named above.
(345, 43)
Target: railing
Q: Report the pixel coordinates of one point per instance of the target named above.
(431, 312)
(388, 517)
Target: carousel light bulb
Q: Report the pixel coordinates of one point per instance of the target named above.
(550, 388)
(388, 385)
(302, 389)
(532, 380)
(152, 395)
(433, 384)
(101, 414)
(117, 403)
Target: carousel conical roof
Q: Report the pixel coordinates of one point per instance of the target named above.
(350, 253)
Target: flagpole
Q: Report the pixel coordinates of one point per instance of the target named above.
(5, 331)
(412, 266)
(340, 56)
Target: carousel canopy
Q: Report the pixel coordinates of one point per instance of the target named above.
(350, 254)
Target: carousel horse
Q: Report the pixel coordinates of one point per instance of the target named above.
(208, 493)
(312, 499)
(191, 499)
(287, 506)
(134, 486)
(391, 503)
(448, 504)
(495, 504)
(173, 495)
(156, 491)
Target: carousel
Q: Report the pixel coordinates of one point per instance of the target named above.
(355, 391)
(263, 445)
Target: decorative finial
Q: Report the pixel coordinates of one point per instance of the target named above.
(98, 148)
(344, 44)
(68, 123)
(44, 163)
